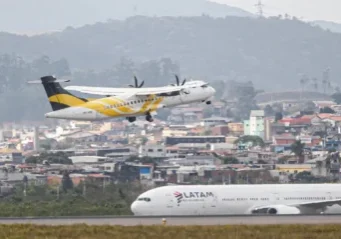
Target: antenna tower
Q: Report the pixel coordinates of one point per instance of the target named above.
(260, 6)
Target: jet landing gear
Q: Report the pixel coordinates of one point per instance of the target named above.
(208, 102)
(131, 119)
(149, 118)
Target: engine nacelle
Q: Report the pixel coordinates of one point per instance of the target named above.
(277, 209)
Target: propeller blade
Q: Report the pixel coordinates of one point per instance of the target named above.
(184, 81)
(142, 83)
(131, 86)
(177, 80)
(136, 81)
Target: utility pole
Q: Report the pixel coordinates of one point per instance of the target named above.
(260, 6)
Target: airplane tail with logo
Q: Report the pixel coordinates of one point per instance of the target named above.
(59, 98)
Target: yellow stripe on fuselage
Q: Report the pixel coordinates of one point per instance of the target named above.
(100, 105)
(116, 101)
(156, 104)
(66, 100)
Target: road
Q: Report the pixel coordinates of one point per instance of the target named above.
(209, 220)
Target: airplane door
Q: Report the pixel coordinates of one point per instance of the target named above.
(210, 205)
(329, 196)
(185, 95)
(170, 202)
(274, 198)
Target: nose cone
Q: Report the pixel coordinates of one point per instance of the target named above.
(133, 208)
(212, 91)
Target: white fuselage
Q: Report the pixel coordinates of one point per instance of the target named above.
(101, 109)
(228, 199)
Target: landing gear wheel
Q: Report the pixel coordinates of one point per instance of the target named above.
(208, 102)
(149, 118)
(131, 119)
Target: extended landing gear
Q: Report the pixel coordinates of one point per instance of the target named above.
(208, 102)
(149, 118)
(131, 119)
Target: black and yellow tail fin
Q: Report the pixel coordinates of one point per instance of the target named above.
(59, 98)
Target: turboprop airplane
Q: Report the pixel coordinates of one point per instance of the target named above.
(120, 102)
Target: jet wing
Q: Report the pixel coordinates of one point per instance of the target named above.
(319, 204)
(120, 91)
(296, 208)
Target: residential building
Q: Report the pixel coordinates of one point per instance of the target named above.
(255, 125)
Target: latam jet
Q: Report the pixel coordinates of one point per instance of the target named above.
(237, 199)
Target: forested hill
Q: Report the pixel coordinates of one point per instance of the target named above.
(46, 15)
(272, 53)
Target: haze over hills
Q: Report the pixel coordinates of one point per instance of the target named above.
(35, 16)
(332, 26)
(272, 53)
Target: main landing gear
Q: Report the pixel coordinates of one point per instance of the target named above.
(131, 119)
(149, 118)
(208, 102)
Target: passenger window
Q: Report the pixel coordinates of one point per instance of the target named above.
(147, 199)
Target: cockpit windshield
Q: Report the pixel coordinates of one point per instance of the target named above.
(204, 86)
(144, 199)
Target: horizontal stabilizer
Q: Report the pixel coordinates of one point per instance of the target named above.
(40, 82)
(47, 80)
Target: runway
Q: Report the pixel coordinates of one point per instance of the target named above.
(176, 221)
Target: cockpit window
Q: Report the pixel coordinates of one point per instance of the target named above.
(204, 86)
(144, 199)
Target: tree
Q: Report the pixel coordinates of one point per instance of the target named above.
(278, 116)
(230, 160)
(51, 158)
(336, 97)
(298, 149)
(67, 183)
(269, 111)
(309, 106)
(243, 93)
(327, 110)
(255, 140)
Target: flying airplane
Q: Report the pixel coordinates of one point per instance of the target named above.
(237, 199)
(120, 102)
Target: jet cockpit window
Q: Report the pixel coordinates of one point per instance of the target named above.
(144, 199)
(204, 86)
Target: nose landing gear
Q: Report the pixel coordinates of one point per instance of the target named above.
(131, 119)
(149, 118)
(208, 102)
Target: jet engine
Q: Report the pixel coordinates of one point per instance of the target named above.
(276, 209)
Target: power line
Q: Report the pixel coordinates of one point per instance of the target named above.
(260, 6)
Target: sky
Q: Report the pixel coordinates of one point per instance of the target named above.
(328, 10)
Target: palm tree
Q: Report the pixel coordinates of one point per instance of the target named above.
(315, 83)
(298, 149)
(325, 80)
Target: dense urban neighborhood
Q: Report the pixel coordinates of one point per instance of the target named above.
(114, 161)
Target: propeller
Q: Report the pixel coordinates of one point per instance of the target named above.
(178, 81)
(137, 85)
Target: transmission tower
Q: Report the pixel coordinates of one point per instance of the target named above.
(260, 6)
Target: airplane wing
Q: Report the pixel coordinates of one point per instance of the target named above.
(296, 208)
(121, 91)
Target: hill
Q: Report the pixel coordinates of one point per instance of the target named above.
(332, 26)
(270, 52)
(35, 16)
(274, 54)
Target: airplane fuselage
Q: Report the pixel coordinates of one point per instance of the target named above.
(233, 199)
(132, 106)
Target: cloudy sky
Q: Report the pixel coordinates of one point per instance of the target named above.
(307, 9)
